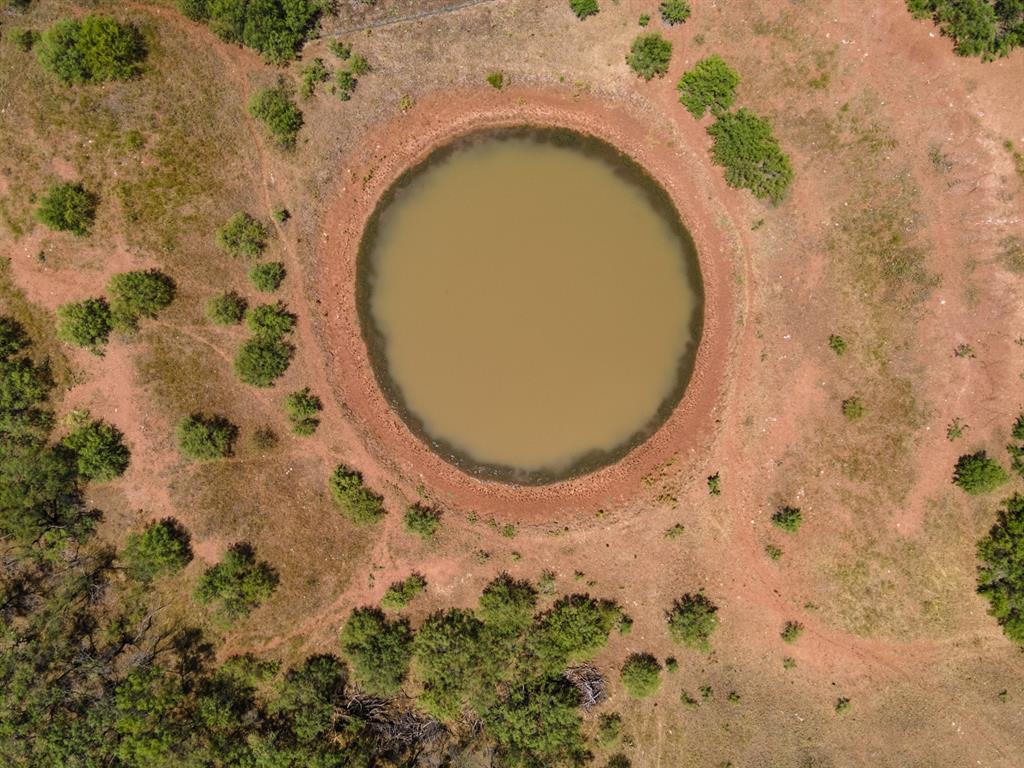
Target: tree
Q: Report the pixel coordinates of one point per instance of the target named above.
(267, 277)
(206, 438)
(93, 49)
(13, 338)
(674, 11)
(242, 235)
(346, 84)
(138, 294)
(276, 110)
(99, 451)
(1001, 574)
(984, 28)
(507, 605)
(649, 55)
(357, 503)
(302, 408)
(583, 8)
(275, 28)
(310, 696)
(711, 84)
(641, 675)
(162, 548)
(378, 649)
(748, 150)
(262, 361)
(85, 323)
(270, 321)
(227, 308)
(575, 628)
(68, 207)
(422, 521)
(692, 621)
(238, 583)
(452, 662)
(401, 593)
(976, 473)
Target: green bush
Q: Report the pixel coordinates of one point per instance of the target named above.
(1001, 575)
(346, 84)
(711, 84)
(507, 605)
(262, 361)
(837, 344)
(576, 627)
(401, 593)
(853, 408)
(692, 621)
(976, 473)
(791, 631)
(313, 74)
(92, 49)
(536, 723)
(452, 662)
(422, 521)
(1016, 450)
(788, 519)
(275, 28)
(496, 80)
(357, 502)
(138, 294)
(161, 549)
(302, 408)
(674, 11)
(238, 583)
(985, 28)
(583, 8)
(609, 728)
(267, 277)
(748, 150)
(243, 235)
(227, 308)
(649, 55)
(342, 50)
(99, 451)
(85, 323)
(270, 321)
(641, 675)
(358, 65)
(13, 338)
(24, 39)
(206, 438)
(379, 650)
(276, 110)
(68, 208)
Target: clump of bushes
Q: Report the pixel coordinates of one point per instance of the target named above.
(345, 83)
(976, 473)
(378, 649)
(68, 207)
(641, 675)
(710, 85)
(312, 74)
(788, 519)
(267, 277)
(206, 438)
(674, 11)
(276, 110)
(99, 451)
(85, 324)
(583, 8)
(401, 593)
(748, 150)
(138, 294)
(422, 521)
(357, 502)
(163, 548)
(276, 29)
(264, 358)
(227, 308)
(1001, 574)
(649, 55)
(302, 408)
(978, 27)
(692, 621)
(238, 583)
(92, 49)
(242, 235)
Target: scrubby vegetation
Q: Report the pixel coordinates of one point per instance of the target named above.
(674, 11)
(68, 207)
(692, 621)
(92, 49)
(206, 438)
(85, 323)
(710, 85)
(237, 584)
(357, 502)
(641, 675)
(267, 277)
(275, 28)
(649, 55)
(303, 408)
(98, 451)
(401, 593)
(243, 235)
(748, 150)
(976, 473)
(788, 519)
(985, 28)
(791, 631)
(852, 408)
(134, 295)
(1001, 575)
(378, 649)
(276, 110)
(583, 8)
(421, 520)
(265, 357)
(227, 308)
(162, 549)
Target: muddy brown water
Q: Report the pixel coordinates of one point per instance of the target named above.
(531, 302)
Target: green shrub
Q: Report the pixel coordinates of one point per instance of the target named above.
(978, 27)
(302, 408)
(576, 627)
(644, 20)
(312, 74)
(227, 308)
(1016, 450)
(649, 55)
(422, 521)
(379, 650)
(197, 10)
(161, 549)
(358, 65)
(837, 344)
(609, 728)
(238, 583)
(674, 11)
(641, 675)
(453, 663)
(976, 473)
(24, 39)
(1001, 574)
(85, 323)
(788, 519)
(401, 593)
(99, 451)
(275, 28)
(270, 321)
(537, 723)
(853, 408)
(711, 84)
(276, 110)
(715, 484)
(68, 208)
(507, 605)
(748, 150)
(791, 631)
(243, 235)
(773, 551)
(267, 277)
(346, 85)
(342, 50)
(496, 80)
(206, 438)
(842, 705)
(92, 49)
(692, 621)
(671, 665)
(13, 338)
(583, 8)
(262, 361)
(138, 294)
(357, 503)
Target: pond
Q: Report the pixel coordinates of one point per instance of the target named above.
(531, 302)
